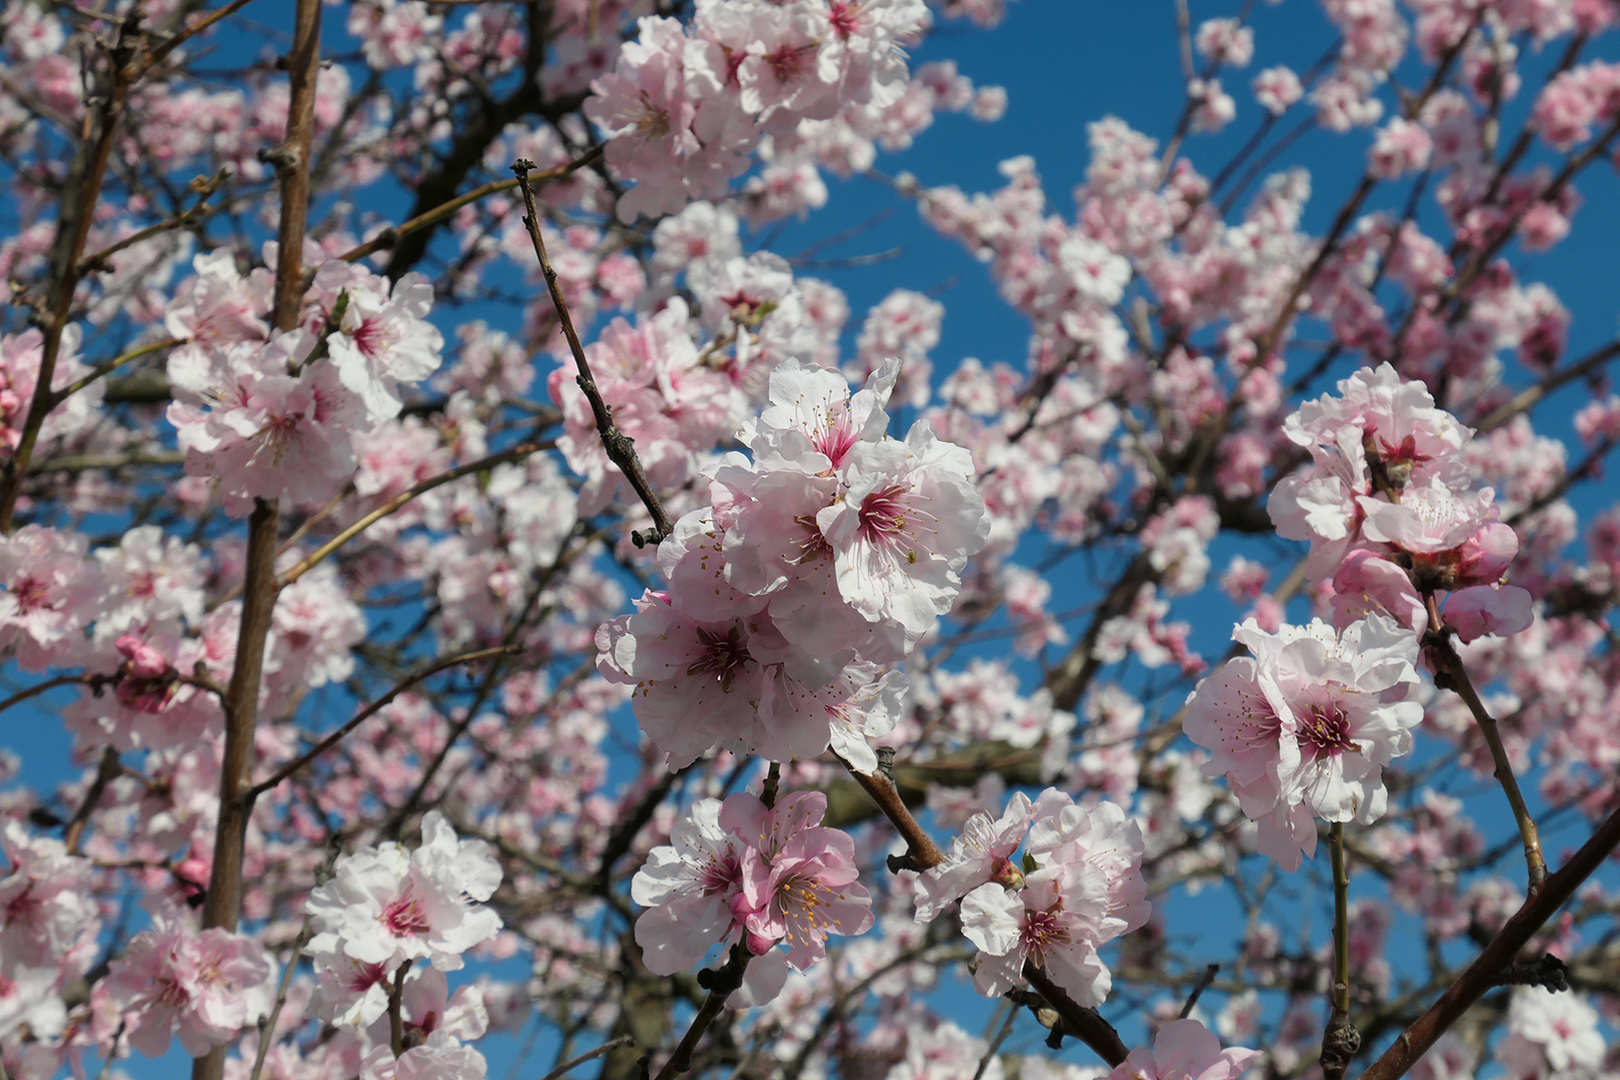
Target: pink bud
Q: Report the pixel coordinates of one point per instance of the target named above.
(145, 662)
(758, 944)
(1005, 874)
(1488, 554)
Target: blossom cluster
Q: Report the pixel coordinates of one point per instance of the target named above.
(1078, 886)
(830, 553)
(1303, 727)
(741, 872)
(686, 106)
(173, 980)
(274, 414)
(1389, 510)
(386, 908)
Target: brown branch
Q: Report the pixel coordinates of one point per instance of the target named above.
(49, 684)
(607, 1047)
(921, 851)
(223, 902)
(1528, 398)
(106, 773)
(1498, 955)
(391, 235)
(620, 448)
(1450, 674)
(59, 396)
(375, 707)
(1082, 1023)
(1340, 1040)
(157, 55)
(80, 194)
(721, 985)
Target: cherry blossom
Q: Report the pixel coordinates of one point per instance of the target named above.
(386, 906)
(202, 987)
(1185, 1048)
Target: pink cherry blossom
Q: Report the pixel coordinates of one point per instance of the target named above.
(204, 987)
(385, 905)
(1185, 1048)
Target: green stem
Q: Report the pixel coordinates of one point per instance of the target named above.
(1340, 1040)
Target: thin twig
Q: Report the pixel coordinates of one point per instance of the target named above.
(1450, 674)
(390, 236)
(620, 448)
(59, 396)
(392, 505)
(589, 1055)
(49, 684)
(1204, 980)
(106, 772)
(371, 710)
(267, 1030)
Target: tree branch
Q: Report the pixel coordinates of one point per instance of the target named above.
(1497, 957)
(620, 448)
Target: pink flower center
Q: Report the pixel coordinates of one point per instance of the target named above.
(404, 917)
(800, 899)
(363, 977)
(371, 338)
(31, 594)
(722, 657)
(787, 63)
(720, 874)
(836, 438)
(845, 18)
(883, 515)
(1326, 730)
(653, 123)
(813, 545)
(1043, 932)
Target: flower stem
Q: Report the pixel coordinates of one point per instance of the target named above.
(1340, 1040)
(1449, 664)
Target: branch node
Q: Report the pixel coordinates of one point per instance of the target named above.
(1340, 1043)
(898, 863)
(1548, 972)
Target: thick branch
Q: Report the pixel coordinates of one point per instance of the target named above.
(1084, 1024)
(721, 985)
(222, 905)
(1487, 969)
(921, 851)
